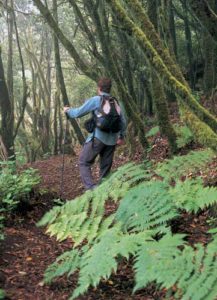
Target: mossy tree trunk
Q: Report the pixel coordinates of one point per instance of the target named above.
(159, 95)
(165, 70)
(162, 112)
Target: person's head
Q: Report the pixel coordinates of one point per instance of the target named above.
(104, 85)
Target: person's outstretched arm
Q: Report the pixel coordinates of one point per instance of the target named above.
(89, 105)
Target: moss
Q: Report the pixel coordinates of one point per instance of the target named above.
(148, 28)
(162, 112)
(164, 69)
(203, 133)
(210, 73)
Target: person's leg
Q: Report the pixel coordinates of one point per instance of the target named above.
(87, 158)
(106, 159)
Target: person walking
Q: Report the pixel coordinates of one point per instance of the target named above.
(108, 126)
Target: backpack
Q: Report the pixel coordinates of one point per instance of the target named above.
(107, 118)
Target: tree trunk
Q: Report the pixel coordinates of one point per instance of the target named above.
(61, 81)
(10, 83)
(6, 113)
(159, 97)
(205, 15)
(83, 66)
(131, 109)
(165, 70)
(25, 87)
(172, 28)
(210, 59)
(189, 50)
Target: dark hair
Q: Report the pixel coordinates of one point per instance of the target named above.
(104, 84)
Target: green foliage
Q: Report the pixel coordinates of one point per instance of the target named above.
(14, 187)
(191, 270)
(191, 195)
(96, 265)
(82, 218)
(153, 131)
(66, 263)
(156, 256)
(182, 165)
(146, 208)
(184, 136)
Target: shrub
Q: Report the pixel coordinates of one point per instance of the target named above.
(14, 187)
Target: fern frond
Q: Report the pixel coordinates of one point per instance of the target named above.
(181, 165)
(184, 135)
(191, 270)
(191, 195)
(154, 259)
(67, 263)
(116, 186)
(82, 218)
(145, 206)
(95, 265)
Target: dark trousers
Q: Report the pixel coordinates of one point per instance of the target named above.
(87, 157)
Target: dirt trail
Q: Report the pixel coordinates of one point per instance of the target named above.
(27, 250)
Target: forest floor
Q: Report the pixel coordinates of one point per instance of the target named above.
(27, 251)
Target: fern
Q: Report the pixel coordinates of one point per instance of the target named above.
(182, 165)
(192, 196)
(192, 271)
(184, 136)
(153, 131)
(82, 218)
(156, 256)
(146, 206)
(67, 263)
(95, 265)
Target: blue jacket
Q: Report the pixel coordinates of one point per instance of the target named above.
(93, 104)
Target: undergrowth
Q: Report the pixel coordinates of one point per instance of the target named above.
(140, 228)
(14, 187)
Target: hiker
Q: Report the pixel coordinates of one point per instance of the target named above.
(107, 126)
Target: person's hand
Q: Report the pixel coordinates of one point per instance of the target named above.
(66, 108)
(120, 142)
